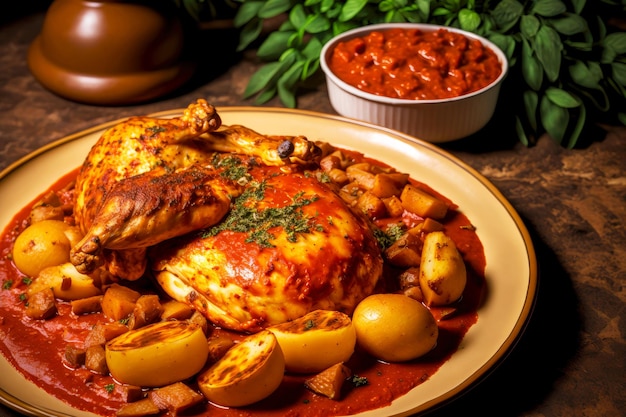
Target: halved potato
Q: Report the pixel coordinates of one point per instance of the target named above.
(157, 354)
(41, 245)
(249, 372)
(316, 340)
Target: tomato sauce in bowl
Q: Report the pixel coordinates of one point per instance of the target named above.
(414, 64)
(433, 82)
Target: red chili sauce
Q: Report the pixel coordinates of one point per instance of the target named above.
(415, 65)
(36, 347)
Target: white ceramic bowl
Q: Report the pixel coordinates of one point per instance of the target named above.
(440, 120)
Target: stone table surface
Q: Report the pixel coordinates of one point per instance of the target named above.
(570, 360)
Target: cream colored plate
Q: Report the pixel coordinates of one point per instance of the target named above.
(511, 271)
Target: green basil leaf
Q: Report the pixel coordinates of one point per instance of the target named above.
(287, 83)
(423, 7)
(386, 6)
(351, 8)
(312, 49)
(309, 3)
(531, 100)
(578, 5)
(532, 70)
(617, 42)
(578, 127)
(317, 23)
(622, 118)
(555, 119)
(469, 19)
(562, 98)
(548, 48)
(569, 25)
(548, 8)
(586, 76)
(246, 12)
(506, 13)
(266, 95)
(249, 33)
(274, 45)
(262, 78)
(529, 26)
(440, 11)
(618, 72)
(327, 5)
(310, 67)
(521, 134)
(505, 42)
(297, 16)
(272, 8)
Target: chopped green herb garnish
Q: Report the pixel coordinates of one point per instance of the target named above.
(388, 237)
(109, 388)
(309, 325)
(7, 284)
(358, 381)
(27, 280)
(247, 217)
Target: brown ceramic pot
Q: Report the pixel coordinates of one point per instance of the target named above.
(110, 52)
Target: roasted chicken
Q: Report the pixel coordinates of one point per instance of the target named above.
(133, 189)
(237, 224)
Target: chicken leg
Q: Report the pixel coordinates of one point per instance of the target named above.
(149, 208)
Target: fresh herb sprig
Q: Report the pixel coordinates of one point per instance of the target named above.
(566, 59)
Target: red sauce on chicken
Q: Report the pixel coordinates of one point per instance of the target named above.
(36, 347)
(414, 64)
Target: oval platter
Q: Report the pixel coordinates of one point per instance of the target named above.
(511, 267)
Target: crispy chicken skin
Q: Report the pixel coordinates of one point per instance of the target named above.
(131, 191)
(242, 282)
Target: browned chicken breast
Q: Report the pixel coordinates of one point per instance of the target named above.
(288, 246)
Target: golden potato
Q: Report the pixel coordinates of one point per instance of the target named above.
(394, 327)
(66, 282)
(249, 372)
(442, 271)
(316, 341)
(157, 354)
(41, 245)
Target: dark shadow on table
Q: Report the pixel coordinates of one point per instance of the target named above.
(526, 376)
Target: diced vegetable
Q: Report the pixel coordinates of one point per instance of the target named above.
(144, 407)
(41, 305)
(175, 310)
(423, 204)
(119, 302)
(330, 381)
(175, 397)
(95, 359)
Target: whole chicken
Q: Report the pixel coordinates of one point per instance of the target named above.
(149, 179)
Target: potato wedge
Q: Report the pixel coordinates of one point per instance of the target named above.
(316, 341)
(442, 271)
(249, 372)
